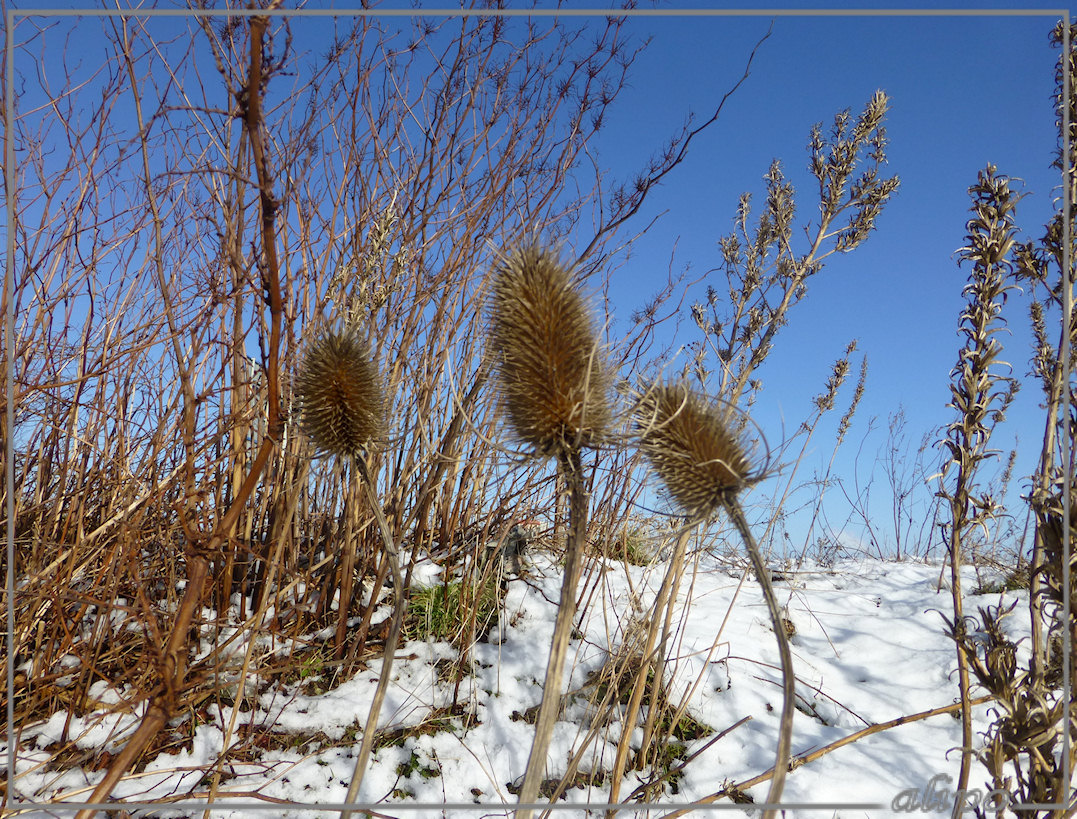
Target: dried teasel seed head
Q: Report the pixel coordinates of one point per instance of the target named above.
(339, 393)
(690, 443)
(554, 383)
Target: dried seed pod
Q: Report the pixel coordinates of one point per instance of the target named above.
(339, 393)
(553, 381)
(689, 443)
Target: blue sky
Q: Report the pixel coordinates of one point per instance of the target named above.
(964, 91)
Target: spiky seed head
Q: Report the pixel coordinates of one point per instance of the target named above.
(689, 442)
(554, 384)
(339, 393)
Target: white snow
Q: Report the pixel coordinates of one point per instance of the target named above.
(869, 646)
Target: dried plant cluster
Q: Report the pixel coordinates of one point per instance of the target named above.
(692, 447)
(553, 380)
(1023, 750)
(152, 453)
(980, 393)
(339, 394)
(765, 273)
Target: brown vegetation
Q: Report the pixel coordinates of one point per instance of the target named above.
(176, 381)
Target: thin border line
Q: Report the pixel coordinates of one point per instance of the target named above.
(412, 806)
(1067, 461)
(9, 385)
(9, 288)
(445, 12)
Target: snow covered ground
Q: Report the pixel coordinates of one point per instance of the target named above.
(868, 644)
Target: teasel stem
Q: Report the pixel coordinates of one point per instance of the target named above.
(783, 754)
(342, 409)
(553, 383)
(696, 451)
(392, 554)
(571, 466)
(785, 731)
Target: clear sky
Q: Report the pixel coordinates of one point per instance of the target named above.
(965, 91)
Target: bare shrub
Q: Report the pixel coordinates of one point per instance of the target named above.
(174, 269)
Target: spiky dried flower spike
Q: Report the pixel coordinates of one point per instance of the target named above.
(339, 393)
(554, 384)
(688, 440)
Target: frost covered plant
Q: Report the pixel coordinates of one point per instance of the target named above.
(341, 404)
(553, 385)
(693, 446)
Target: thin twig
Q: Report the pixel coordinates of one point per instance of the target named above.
(804, 759)
(393, 556)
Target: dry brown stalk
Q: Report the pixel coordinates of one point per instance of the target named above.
(692, 447)
(1026, 747)
(174, 670)
(647, 664)
(818, 753)
(256, 624)
(762, 574)
(659, 695)
(980, 397)
(553, 386)
(399, 608)
(341, 404)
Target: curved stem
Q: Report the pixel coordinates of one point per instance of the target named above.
(785, 734)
